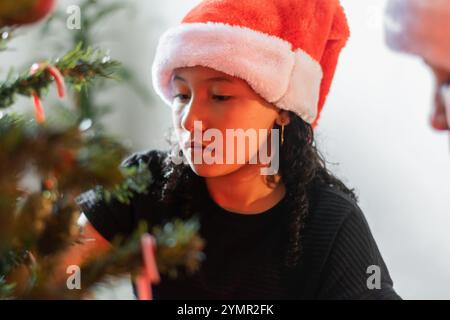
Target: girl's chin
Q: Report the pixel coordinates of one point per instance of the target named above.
(213, 170)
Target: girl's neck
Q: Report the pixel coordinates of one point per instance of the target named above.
(245, 191)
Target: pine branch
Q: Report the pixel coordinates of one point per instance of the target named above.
(178, 251)
(37, 226)
(79, 68)
(68, 161)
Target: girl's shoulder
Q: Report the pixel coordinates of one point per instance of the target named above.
(113, 217)
(333, 211)
(343, 203)
(339, 244)
(156, 159)
(159, 162)
(171, 183)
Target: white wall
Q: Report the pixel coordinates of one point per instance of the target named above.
(374, 125)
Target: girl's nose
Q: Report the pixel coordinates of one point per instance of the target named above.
(193, 112)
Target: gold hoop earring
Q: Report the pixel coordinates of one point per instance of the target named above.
(282, 134)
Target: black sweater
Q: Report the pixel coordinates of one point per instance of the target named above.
(244, 256)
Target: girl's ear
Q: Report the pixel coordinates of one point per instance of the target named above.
(283, 118)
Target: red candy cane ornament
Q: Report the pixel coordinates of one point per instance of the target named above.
(150, 273)
(59, 80)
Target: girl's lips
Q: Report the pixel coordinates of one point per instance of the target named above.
(202, 148)
(196, 146)
(193, 145)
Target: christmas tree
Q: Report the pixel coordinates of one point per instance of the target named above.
(63, 159)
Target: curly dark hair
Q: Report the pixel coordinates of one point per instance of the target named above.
(302, 168)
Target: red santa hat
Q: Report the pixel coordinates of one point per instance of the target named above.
(420, 27)
(286, 50)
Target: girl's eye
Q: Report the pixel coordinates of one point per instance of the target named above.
(221, 98)
(181, 96)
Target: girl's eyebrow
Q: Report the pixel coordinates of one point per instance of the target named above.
(220, 79)
(177, 77)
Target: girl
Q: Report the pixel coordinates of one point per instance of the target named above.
(296, 233)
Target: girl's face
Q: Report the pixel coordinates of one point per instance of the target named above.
(205, 104)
